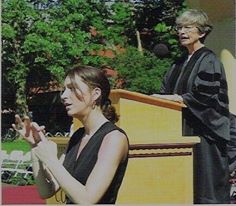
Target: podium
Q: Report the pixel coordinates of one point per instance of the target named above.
(160, 168)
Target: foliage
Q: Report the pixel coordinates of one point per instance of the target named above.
(17, 16)
(41, 39)
(17, 144)
(8, 177)
(10, 135)
(141, 73)
(155, 19)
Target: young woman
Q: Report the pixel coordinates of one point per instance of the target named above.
(93, 166)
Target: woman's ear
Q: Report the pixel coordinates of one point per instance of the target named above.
(96, 93)
(201, 35)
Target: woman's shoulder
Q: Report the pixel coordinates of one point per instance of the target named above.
(115, 132)
(115, 142)
(210, 60)
(118, 133)
(109, 127)
(209, 55)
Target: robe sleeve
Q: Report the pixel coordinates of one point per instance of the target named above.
(165, 86)
(232, 144)
(207, 99)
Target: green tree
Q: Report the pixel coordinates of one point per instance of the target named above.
(42, 39)
(139, 72)
(155, 20)
(17, 19)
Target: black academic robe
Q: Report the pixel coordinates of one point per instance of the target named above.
(232, 144)
(201, 82)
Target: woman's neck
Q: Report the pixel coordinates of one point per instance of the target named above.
(193, 48)
(93, 121)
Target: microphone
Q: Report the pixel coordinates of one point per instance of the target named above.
(161, 50)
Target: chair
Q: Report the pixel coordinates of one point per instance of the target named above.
(27, 157)
(26, 164)
(12, 162)
(17, 163)
(4, 156)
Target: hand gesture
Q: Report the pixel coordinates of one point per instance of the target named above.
(30, 131)
(46, 151)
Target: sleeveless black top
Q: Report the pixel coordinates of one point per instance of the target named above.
(83, 166)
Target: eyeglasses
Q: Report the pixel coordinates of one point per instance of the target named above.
(185, 28)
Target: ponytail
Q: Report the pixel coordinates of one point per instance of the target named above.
(109, 111)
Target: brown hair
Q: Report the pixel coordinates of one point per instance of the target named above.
(94, 77)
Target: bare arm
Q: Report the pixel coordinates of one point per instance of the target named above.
(113, 150)
(32, 133)
(46, 183)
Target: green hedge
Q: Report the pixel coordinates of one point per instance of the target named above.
(8, 177)
(18, 144)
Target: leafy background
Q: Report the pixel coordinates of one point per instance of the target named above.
(42, 39)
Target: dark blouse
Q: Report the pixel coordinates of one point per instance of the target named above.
(83, 166)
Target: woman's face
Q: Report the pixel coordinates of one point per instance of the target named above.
(78, 101)
(189, 35)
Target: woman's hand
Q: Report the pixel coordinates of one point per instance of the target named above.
(46, 151)
(29, 131)
(172, 97)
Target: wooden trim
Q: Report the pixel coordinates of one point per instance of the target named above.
(168, 154)
(147, 99)
(161, 146)
(133, 147)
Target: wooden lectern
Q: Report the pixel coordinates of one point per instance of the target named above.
(160, 168)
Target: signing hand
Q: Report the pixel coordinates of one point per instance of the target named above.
(30, 131)
(46, 151)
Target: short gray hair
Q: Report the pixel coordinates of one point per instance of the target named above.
(197, 18)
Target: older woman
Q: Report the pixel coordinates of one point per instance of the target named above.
(198, 79)
(93, 166)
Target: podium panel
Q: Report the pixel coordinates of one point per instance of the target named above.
(148, 123)
(158, 174)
